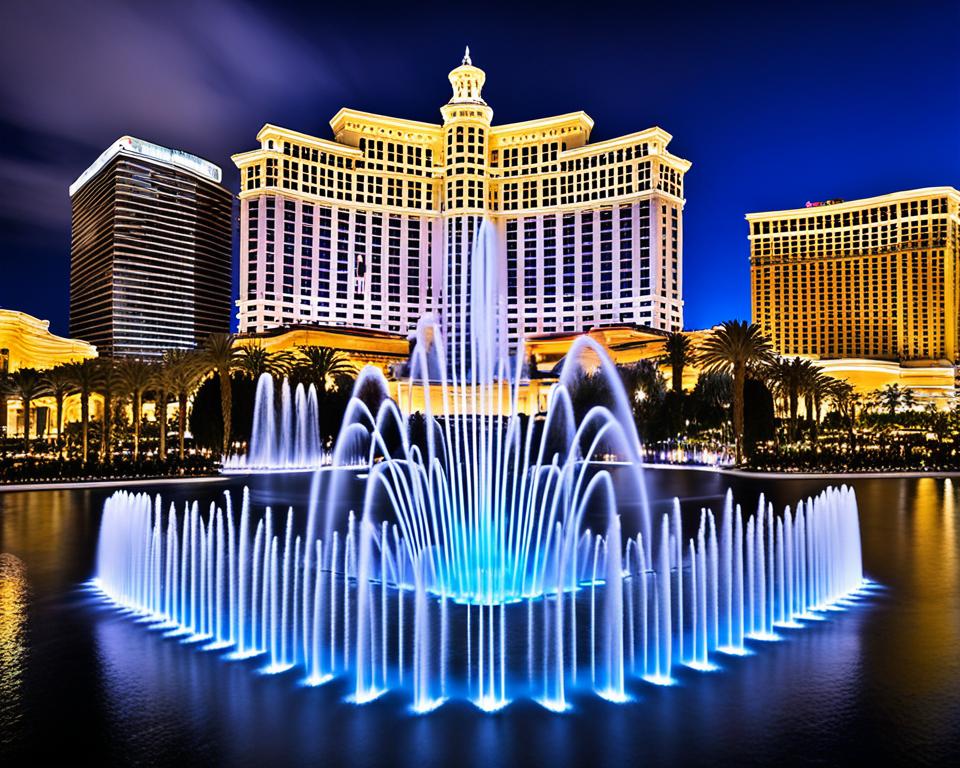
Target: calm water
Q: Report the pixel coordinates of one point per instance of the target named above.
(79, 682)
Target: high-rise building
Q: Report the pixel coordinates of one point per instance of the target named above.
(151, 251)
(874, 278)
(376, 228)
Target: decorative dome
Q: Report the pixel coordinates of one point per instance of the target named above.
(467, 81)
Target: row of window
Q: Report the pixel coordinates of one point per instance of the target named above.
(310, 258)
(858, 307)
(870, 215)
(564, 189)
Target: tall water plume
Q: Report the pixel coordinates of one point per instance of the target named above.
(470, 550)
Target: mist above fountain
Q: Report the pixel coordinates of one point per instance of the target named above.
(480, 553)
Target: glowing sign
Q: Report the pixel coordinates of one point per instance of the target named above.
(817, 204)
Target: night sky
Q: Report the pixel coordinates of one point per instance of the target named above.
(775, 104)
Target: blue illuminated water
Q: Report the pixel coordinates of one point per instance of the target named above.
(285, 433)
(209, 580)
(497, 563)
(487, 558)
(882, 679)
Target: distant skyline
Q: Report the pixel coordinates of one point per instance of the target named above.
(774, 105)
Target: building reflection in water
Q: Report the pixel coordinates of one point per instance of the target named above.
(949, 535)
(884, 672)
(923, 573)
(13, 619)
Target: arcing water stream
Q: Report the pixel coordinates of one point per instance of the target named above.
(469, 567)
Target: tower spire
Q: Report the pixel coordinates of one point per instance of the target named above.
(467, 81)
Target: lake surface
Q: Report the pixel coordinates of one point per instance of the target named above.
(81, 683)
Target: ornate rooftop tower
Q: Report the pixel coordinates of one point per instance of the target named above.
(467, 81)
(466, 129)
(374, 228)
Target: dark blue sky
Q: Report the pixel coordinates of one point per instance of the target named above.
(775, 103)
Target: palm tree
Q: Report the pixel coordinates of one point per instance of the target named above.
(678, 355)
(255, 360)
(841, 394)
(220, 356)
(935, 420)
(184, 371)
(845, 400)
(85, 377)
(28, 385)
(889, 398)
(161, 397)
(60, 384)
(817, 388)
(4, 393)
(908, 400)
(135, 378)
(786, 377)
(736, 347)
(811, 382)
(322, 365)
(107, 386)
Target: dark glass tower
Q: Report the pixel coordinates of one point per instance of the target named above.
(150, 252)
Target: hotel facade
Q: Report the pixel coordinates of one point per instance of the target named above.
(26, 342)
(873, 282)
(150, 251)
(376, 228)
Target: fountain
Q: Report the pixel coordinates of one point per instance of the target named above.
(285, 438)
(477, 553)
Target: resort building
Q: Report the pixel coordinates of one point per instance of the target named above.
(361, 346)
(26, 342)
(869, 285)
(545, 353)
(624, 344)
(375, 228)
(150, 255)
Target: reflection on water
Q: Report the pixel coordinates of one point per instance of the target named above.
(13, 641)
(948, 550)
(884, 674)
(929, 623)
(258, 720)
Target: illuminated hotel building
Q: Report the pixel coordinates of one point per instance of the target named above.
(375, 228)
(874, 278)
(151, 251)
(26, 342)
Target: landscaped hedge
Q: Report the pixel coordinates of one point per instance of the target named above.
(46, 470)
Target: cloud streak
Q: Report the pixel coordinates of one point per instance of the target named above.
(200, 76)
